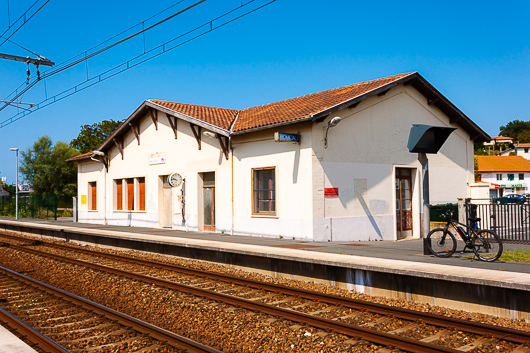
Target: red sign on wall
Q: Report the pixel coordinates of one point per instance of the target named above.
(331, 192)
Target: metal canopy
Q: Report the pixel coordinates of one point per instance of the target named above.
(428, 138)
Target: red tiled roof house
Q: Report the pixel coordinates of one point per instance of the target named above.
(327, 166)
(505, 174)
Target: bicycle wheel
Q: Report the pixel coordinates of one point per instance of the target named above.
(487, 245)
(441, 243)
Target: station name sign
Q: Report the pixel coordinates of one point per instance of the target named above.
(285, 137)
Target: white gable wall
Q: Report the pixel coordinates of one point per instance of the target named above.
(183, 157)
(363, 152)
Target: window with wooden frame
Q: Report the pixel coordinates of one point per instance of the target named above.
(141, 193)
(264, 191)
(130, 194)
(93, 196)
(119, 194)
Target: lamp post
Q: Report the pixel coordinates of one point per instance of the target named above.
(16, 185)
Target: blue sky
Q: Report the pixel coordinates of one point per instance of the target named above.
(476, 53)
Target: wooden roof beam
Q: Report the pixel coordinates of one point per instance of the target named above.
(380, 94)
(136, 132)
(197, 133)
(454, 119)
(119, 146)
(223, 141)
(431, 101)
(154, 117)
(173, 124)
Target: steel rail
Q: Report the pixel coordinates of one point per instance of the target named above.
(126, 320)
(34, 337)
(507, 334)
(373, 336)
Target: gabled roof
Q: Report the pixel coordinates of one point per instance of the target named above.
(220, 117)
(310, 107)
(502, 164)
(306, 107)
(523, 145)
(501, 138)
(81, 156)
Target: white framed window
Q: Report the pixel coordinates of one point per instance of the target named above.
(264, 191)
(499, 176)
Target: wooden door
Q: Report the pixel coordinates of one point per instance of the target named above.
(404, 202)
(165, 211)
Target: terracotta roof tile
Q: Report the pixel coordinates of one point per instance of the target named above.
(523, 144)
(294, 109)
(503, 164)
(81, 156)
(289, 110)
(501, 138)
(219, 117)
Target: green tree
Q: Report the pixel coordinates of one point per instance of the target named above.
(524, 136)
(45, 168)
(514, 128)
(92, 136)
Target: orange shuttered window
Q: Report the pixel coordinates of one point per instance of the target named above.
(141, 187)
(130, 194)
(119, 195)
(93, 193)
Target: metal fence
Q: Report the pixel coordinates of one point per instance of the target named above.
(44, 206)
(510, 221)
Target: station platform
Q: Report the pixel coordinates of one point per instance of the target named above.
(10, 343)
(395, 269)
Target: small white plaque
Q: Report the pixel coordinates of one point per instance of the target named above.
(157, 158)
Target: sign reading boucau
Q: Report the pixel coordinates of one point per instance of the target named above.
(285, 137)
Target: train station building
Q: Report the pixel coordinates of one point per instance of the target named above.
(327, 166)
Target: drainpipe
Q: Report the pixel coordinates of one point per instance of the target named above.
(232, 177)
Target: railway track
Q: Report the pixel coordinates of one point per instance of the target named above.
(57, 321)
(387, 326)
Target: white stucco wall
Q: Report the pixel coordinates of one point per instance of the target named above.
(182, 156)
(364, 150)
(293, 183)
(363, 153)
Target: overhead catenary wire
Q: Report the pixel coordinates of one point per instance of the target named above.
(15, 91)
(3, 35)
(131, 62)
(127, 66)
(58, 70)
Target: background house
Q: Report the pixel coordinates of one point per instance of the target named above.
(327, 166)
(3, 190)
(519, 149)
(505, 174)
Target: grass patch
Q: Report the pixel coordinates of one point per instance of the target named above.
(516, 256)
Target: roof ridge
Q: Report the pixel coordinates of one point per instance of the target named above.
(329, 90)
(189, 104)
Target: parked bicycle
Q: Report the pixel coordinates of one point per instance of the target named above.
(486, 244)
